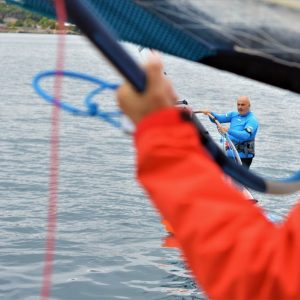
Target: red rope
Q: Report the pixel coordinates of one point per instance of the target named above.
(54, 157)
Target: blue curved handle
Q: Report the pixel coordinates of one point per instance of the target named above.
(92, 109)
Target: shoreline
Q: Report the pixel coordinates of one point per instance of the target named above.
(35, 31)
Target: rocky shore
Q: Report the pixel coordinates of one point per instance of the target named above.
(33, 30)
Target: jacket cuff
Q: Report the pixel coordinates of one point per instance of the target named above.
(165, 117)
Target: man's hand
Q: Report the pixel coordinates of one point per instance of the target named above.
(159, 92)
(205, 111)
(222, 129)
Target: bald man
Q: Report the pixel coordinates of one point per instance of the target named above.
(242, 130)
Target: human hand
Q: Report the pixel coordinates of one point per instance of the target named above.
(205, 111)
(159, 92)
(222, 129)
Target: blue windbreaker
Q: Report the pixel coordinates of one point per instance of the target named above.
(242, 128)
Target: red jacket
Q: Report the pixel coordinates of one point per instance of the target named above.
(233, 250)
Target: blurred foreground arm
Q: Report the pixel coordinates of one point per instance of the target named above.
(233, 251)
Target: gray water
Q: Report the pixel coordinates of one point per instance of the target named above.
(109, 238)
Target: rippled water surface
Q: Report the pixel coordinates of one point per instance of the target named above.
(109, 238)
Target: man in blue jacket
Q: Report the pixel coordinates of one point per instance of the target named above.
(242, 130)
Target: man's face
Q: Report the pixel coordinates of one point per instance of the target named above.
(243, 105)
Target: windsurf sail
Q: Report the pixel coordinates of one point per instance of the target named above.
(81, 13)
(255, 39)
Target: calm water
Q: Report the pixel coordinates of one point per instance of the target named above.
(109, 238)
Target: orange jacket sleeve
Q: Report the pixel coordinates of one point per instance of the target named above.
(233, 250)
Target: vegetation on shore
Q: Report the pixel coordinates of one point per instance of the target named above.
(17, 19)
